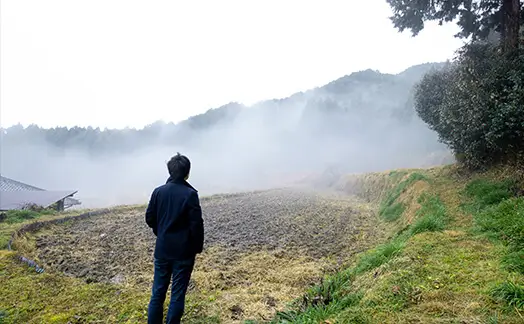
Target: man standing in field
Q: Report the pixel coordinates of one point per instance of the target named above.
(175, 216)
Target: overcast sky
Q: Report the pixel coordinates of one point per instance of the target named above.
(129, 63)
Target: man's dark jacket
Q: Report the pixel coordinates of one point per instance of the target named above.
(175, 216)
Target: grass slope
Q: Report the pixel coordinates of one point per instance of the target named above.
(456, 257)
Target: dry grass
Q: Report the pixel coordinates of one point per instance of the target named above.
(371, 187)
(255, 285)
(410, 199)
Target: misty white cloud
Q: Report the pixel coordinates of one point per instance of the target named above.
(129, 63)
(360, 123)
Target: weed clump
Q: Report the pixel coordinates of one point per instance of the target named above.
(514, 261)
(320, 312)
(511, 293)
(505, 221)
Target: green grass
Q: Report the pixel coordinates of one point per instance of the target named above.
(514, 261)
(33, 292)
(499, 215)
(14, 219)
(485, 193)
(20, 216)
(432, 215)
(505, 221)
(393, 212)
(396, 175)
(5, 236)
(434, 270)
(511, 293)
(30, 297)
(380, 255)
(390, 209)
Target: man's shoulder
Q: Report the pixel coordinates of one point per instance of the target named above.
(191, 188)
(180, 187)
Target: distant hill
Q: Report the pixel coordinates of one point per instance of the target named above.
(364, 121)
(350, 94)
(366, 96)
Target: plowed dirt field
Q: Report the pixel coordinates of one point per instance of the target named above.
(262, 249)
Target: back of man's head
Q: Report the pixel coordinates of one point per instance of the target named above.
(179, 167)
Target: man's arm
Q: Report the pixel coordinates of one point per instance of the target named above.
(196, 223)
(151, 213)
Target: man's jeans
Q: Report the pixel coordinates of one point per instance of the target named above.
(180, 272)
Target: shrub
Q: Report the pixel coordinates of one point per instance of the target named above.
(475, 105)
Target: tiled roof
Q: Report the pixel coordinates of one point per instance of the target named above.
(7, 184)
(16, 195)
(20, 199)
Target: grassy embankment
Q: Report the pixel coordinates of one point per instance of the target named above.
(457, 255)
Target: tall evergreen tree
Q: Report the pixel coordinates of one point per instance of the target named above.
(476, 18)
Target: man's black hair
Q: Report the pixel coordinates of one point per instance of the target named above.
(178, 167)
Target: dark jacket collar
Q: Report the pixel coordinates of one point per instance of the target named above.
(180, 181)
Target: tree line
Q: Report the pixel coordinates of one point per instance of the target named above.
(360, 106)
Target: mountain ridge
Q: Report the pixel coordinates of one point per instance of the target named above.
(412, 74)
(358, 123)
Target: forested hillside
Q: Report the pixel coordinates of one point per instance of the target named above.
(340, 107)
(361, 122)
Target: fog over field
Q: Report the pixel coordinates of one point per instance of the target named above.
(361, 122)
